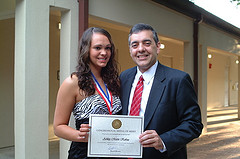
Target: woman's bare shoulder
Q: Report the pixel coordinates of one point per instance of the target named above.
(70, 83)
(71, 80)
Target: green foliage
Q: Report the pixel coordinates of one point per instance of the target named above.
(237, 1)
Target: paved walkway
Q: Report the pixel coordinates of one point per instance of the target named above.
(222, 141)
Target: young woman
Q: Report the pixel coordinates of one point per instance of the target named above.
(93, 89)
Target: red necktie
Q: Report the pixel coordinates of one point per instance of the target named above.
(137, 97)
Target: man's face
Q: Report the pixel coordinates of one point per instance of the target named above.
(143, 49)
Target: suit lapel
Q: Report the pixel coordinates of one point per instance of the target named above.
(127, 89)
(155, 94)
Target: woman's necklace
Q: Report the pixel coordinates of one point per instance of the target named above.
(106, 97)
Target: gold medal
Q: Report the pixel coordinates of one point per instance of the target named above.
(116, 124)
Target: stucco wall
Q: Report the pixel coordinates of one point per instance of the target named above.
(54, 66)
(167, 23)
(222, 79)
(214, 38)
(172, 55)
(7, 77)
(217, 41)
(7, 82)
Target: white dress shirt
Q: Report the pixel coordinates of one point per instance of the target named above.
(148, 77)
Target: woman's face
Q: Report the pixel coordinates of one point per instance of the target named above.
(100, 51)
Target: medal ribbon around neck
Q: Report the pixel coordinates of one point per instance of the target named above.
(106, 97)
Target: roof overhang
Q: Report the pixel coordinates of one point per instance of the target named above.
(199, 14)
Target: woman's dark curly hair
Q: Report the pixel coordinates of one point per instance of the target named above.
(110, 73)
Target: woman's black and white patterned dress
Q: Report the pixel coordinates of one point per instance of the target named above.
(91, 105)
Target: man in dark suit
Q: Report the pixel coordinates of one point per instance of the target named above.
(169, 105)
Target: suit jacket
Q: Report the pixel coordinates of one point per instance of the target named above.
(172, 110)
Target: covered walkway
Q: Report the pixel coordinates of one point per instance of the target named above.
(222, 141)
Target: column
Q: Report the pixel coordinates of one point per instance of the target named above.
(238, 89)
(202, 84)
(31, 79)
(68, 51)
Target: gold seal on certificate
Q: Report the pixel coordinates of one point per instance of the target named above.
(116, 124)
(115, 136)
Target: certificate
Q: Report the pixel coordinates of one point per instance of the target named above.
(115, 136)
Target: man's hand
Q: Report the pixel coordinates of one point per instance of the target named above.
(150, 138)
